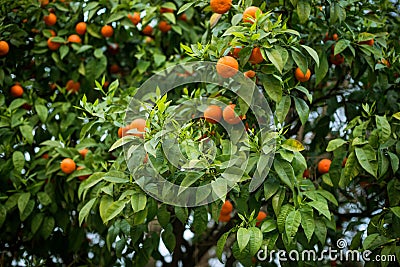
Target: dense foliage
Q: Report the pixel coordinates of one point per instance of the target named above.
(65, 90)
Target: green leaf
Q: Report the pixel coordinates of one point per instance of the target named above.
(185, 7)
(275, 57)
(271, 186)
(277, 201)
(16, 103)
(256, 239)
(302, 109)
(42, 112)
(26, 131)
(3, 215)
(383, 126)
(334, 144)
(18, 161)
(182, 214)
(63, 51)
(396, 211)
(168, 238)
(366, 158)
(300, 60)
(322, 69)
(305, 91)
(28, 210)
(200, 219)
(281, 219)
(163, 215)
(307, 222)
(396, 116)
(116, 16)
(84, 212)
(328, 195)
(350, 170)
(36, 222)
(23, 201)
(221, 244)
(340, 46)
(320, 231)
(312, 53)
(394, 161)
(322, 207)
(293, 221)
(113, 210)
(44, 198)
(373, 241)
(138, 201)
(303, 10)
(292, 145)
(285, 172)
(272, 86)
(47, 227)
(282, 109)
(243, 237)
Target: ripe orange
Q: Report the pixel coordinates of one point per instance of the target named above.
(213, 114)
(52, 33)
(336, 60)
(74, 38)
(256, 56)
(114, 68)
(260, 217)
(306, 173)
(67, 166)
(83, 152)
(220, 6)
(300, 76)
(148, 30)
(227, 208)
(335, 37)
(250, 74)
(324, 165)
(135, 18)
(227, 66)
(224, 218)
(73, 86)
(121, 131)
(236, 52)
(16, 90)
(166, 10)
(50, 19)
(4, 48)
(52, 45)
(139, 125)
(82, 177)
(44, 3)
(107, 31)
(249, 14)
(344, 162)
(45, 156)
(230, 116)
(80, 28)
(368, 42)
(164, 26)
(183, 17)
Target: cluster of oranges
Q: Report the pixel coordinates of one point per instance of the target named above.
(68, 165)
(226, 211)
(214, 114)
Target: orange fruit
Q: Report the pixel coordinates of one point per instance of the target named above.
(335, 37)
(4, 48)
(67, 166)
(385, 62)
(183, 17)
(73, 86)
(368, 42)
(250, 74)
(50, 19)
(148, 30)
(256, 56)
(227, 66)
(164, 26)
(227, 208)
(344, 162)
(300, 76)
(52, 33)
(44, 3)
(135, 18)
(249, 14)
(166, 10)
(82, 177)
(306, 173)
(230, 116)
(213, 114)
(107, 31)
(224, 218)
(114, 68)
(16, 90)
(45, 156)
(52, 45)
(324, 165)
(139, 125)
(83, 152)
(80, 28)
(261, 217)
(220, 6)
(236, 51)
(74, 38)
(336, 60)
(121, 131)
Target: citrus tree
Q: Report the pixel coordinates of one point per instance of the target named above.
(318, 161)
